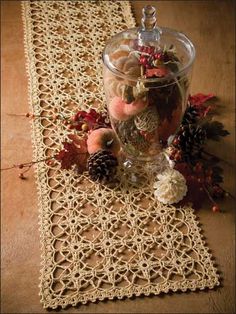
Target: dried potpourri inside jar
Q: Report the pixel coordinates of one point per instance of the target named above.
(146, 80)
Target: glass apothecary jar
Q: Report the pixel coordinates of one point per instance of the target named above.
(147, 73)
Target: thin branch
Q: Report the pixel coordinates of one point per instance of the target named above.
(27, 164)
(56, 116)
(208, 194)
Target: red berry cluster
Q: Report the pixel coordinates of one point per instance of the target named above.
(148, 55)
(176, 154)
(54, 117)
(81, 121)
(202, 177)
(212, 188)
(86, 121)
(25, 167)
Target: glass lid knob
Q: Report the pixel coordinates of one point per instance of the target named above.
(149, 34)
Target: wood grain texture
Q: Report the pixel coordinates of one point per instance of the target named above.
(210, 25)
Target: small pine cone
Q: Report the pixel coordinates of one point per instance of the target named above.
(102, 165)
(190, 116)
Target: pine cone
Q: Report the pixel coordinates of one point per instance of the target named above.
(102, 166)
(190, 115)
(190, 139)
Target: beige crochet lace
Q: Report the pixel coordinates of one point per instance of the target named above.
(97, 241)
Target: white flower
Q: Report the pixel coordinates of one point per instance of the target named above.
(170, 187)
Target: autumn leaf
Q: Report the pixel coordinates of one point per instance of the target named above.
(199, 99)
(91, 119)
(73, 153)
(199, 103)
(215, 130)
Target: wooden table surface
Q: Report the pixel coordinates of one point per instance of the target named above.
(210, 25)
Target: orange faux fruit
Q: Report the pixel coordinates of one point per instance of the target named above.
(117, 109)
(135, 107)
(103, 138)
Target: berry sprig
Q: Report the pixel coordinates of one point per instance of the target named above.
(86, 121)
(74, 153)
(27, 166)
(54, 117)
(147, 60)
(187, 148)
(81, 121)
(202, 184)
(150, 58)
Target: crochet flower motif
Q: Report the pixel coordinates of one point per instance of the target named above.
(170, 187)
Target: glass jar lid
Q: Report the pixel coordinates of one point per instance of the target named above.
(149, 52)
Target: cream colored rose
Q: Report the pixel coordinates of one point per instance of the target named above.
(170, 187)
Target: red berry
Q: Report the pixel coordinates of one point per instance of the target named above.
(157, 55)
(50, 162)
(73, 119)
(145, 49)
(143, 60)
(198, 166)
(176, 141)
(21, 176)
(200, 180)
(149, 50)
(178, 156)
(27, 115)
(215, 208)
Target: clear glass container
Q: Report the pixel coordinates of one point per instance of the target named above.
(147, 73)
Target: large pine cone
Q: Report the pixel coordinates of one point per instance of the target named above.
(191, 138)
(102, 166)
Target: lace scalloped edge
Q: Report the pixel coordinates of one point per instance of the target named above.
(74, 301)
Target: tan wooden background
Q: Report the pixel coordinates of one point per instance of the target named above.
(210, 25)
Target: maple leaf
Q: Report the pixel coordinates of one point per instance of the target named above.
(73, 153)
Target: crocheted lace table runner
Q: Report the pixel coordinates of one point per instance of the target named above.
(97, 242)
